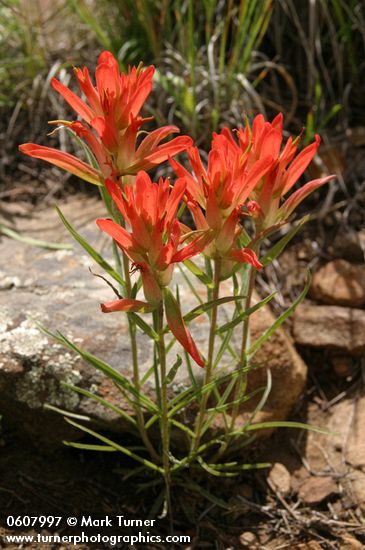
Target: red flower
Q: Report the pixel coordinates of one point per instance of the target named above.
(216, 195)
(264, 139)
(154, 244)
(111, 124)
(114, 101)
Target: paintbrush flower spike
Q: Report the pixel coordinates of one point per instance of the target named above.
(110, 125)
(155, 242)
(266, 203)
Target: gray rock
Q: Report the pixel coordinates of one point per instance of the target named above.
(56, 289)
(337, 328)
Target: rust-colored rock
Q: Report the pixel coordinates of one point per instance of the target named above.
(340, 283)
(279, 479)
(331, 327)
(317, 489)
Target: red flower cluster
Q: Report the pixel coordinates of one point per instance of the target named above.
(253, 171)
(154, 244)
(111, 124)
(262, 141)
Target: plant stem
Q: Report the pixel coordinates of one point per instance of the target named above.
(244, 359)
(164, 424)
(136, 379)
(210, 363)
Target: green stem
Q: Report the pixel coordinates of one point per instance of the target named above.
(164, 422)
(241, 383)
(244, 359)
(210, 362)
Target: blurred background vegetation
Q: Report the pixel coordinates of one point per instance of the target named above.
(217, 60)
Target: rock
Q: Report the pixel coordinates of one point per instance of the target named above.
(340, 283)
(317, 489)
(355, 449)
(249, 540)
(279, 479)
(57, 289)
(350, 543)
(331, 327)
(349, 245)
(342, 452)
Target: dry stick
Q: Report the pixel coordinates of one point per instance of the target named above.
(164, 424)
(209, 363)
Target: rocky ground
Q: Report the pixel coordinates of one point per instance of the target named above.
(313, 496)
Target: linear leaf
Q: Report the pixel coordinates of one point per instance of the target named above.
(203, 277)
(280, 320)
(91, 251)
(280, 245)
(173, 371)
(116, 446)
(100, 400)
(145, 327)
(245, 314)
(203, 308)
(106, 369)
(88, 447)
(31, 241)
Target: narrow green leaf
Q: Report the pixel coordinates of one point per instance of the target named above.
(116, 446)
(203, 277)
(66, 413)
(91, 251)
(31, 241)
(280, 320)
(145, 327)
(87, 447)
(240, 467)
(203, 308)
(173, 371)
(101, 401)
(100, 365)
(244, 399)
(212, 471)
(287, 424)
(280, 245)
(206, 494)
(245, 314)
(182, 427)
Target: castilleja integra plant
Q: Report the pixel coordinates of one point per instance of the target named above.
(209, 220)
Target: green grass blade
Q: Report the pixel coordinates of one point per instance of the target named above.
(31, 241)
